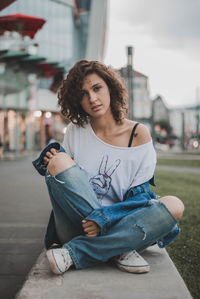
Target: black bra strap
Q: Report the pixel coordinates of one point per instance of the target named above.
(132, 134)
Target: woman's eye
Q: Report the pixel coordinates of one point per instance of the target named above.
(96, 88)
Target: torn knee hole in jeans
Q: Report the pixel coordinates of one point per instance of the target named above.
(142, 229)
(59, 181)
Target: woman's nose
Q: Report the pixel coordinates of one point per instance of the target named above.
(92, 97)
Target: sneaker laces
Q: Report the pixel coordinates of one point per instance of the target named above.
(66, 258)
(126, 256)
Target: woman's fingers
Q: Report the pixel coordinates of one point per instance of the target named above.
(49, 154)
(46, 160)
(54, 151)
(91, 228)
(86, 223)
(89, 224)
(92, 235)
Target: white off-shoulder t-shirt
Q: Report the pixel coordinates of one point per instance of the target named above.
(111, 170)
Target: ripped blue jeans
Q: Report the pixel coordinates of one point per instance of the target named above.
(136, 223)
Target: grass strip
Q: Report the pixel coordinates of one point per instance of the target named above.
(185, 250)
(174, 162)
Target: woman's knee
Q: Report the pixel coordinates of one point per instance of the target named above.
(174, 205)
(59, 163)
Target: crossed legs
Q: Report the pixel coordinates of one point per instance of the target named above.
(135, 231)
(63, 161)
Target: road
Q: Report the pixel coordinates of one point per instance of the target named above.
(24, 214)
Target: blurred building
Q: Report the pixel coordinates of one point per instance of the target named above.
(160, 111)
(187, 116)
(142, 104)
(32, 65)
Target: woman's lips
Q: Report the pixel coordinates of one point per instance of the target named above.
(96, 108)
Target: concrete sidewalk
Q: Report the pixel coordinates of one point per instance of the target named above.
(106, 281)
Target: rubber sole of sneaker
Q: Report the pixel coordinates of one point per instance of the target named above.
(132, 269)
(52, 262)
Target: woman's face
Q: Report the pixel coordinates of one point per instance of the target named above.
(96, 96)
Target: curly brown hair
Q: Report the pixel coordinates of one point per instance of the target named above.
(70, 93)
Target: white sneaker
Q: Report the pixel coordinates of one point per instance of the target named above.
(132, 262)
(59, 260)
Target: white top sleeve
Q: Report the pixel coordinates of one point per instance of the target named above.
(67, 140)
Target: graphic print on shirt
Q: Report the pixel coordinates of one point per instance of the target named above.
(102, 181)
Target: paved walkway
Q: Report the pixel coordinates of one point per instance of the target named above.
(107, 282)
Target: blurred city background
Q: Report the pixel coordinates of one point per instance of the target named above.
(39, 42)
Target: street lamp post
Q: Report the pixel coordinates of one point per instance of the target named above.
(3, 94)
(197, 111)
(183, 129)
(130, 78)
(153, 120)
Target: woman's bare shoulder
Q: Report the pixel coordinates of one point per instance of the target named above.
(142, 135)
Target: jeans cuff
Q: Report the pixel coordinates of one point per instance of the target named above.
(73, 256)
(169, 237)
(39, 164)
(100, 219)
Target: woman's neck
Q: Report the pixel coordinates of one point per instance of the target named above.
(104, 126)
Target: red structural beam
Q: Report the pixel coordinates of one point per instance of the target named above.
(24, 24)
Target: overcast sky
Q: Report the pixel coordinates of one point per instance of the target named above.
(165, 35)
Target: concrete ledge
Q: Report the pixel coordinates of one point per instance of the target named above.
(106, 281)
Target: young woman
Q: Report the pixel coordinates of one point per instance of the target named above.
(98, 181)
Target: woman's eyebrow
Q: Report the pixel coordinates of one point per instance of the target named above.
(98, 83)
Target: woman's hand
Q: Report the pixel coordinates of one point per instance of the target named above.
(50, 155)
(91, 228)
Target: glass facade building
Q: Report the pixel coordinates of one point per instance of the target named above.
(29, 115)
(58, 39)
